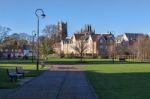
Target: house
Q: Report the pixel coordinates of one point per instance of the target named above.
(86, 34)
(129, 38)
(126, 43)
(68, 44)
(98, 44)
(106, 43)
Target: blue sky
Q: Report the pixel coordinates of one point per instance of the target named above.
(118, 16)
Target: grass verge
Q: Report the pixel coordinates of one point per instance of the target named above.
(5, 82)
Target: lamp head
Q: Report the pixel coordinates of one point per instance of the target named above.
(43, 15)
(40, 13)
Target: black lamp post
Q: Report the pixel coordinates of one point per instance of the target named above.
(38, 13)
(33, 51)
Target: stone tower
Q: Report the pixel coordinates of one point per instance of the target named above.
(62, 29)
(87, 30)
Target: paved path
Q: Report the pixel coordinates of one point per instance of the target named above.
(5, 92)
(62, 82)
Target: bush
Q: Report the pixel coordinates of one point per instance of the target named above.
(1, 54)
(104, 57)
(96, 56)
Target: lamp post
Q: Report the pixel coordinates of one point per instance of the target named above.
(113, 49)
(33, 51)
(38, 13)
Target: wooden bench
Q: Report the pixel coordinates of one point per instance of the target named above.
(42, 64)
(13, 74)
(20, 70)
(122, 60)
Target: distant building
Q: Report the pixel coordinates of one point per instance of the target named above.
(59, 30)
(98, 44)
(129, 38)
(87, 29)
(106, 41)
(62, 30)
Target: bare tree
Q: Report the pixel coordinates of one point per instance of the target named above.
(52, 32)
(81, 47)
(122, 49)
(45, 47)
(112, 51)
(3, 32)
(141, 48)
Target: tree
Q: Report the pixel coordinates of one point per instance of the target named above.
(13, 43)
(52, 32)
(45, 47)
(112, 51)
(51, 37)
(122, 49)
(3, 32)
(81, 47)
(141, 48)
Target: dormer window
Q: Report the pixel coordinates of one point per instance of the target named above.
(110, 41)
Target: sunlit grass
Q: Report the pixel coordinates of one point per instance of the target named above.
(120, 81)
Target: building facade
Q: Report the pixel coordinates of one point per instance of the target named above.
(98, 44)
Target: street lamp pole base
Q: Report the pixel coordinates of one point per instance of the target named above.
(37, 65)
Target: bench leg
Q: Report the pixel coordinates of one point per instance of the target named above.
(13, 78)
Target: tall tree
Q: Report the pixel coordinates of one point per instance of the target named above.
(141, 48)
(45, 47)
(112, 51)
(3, 32)
(13, 43)
(122, 49)
(51, 32)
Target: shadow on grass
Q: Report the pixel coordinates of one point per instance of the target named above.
(5, 80)
(120, 85)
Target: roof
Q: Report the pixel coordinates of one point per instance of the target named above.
(119, 37)
(134, 36)
(96, 37)
(79, 36)
(108, 36)
(67, 40)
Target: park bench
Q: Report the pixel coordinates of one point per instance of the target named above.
(20, 70)
(42, 64)
(13, 74)
(122, 60)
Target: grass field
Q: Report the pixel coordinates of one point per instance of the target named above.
(130, 80)
(120, 81)
(12, 64)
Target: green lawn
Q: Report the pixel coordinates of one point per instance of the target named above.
(120, 81)
(74, 61)
(12, 64)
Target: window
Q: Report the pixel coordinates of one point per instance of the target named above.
(101, 46)
(101, 40)
(110, 41)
